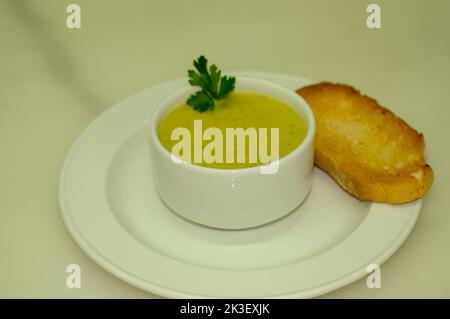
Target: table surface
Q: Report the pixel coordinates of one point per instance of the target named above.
(55, 81)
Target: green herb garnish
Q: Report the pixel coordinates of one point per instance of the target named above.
(214, 87)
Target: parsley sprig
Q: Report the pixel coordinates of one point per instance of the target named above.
(213, 86)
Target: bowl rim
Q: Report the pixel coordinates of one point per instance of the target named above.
(308, 140)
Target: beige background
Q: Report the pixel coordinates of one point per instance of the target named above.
(54, 81)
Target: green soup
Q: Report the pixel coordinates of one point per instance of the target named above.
(238, 110)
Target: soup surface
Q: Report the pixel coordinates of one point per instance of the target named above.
(238, 110)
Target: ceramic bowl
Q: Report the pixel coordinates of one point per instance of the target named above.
(234, 198)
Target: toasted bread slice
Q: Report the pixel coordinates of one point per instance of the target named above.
(367, 149)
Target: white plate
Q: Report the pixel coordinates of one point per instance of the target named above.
(111, 209)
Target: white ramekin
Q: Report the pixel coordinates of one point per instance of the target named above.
(234, 198)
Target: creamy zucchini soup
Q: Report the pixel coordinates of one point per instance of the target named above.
(238, 110)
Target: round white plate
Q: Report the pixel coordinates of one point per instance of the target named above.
(111, 209)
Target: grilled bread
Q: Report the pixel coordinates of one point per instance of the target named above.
(367, 149)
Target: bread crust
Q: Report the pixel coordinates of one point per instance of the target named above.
(366, 148)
